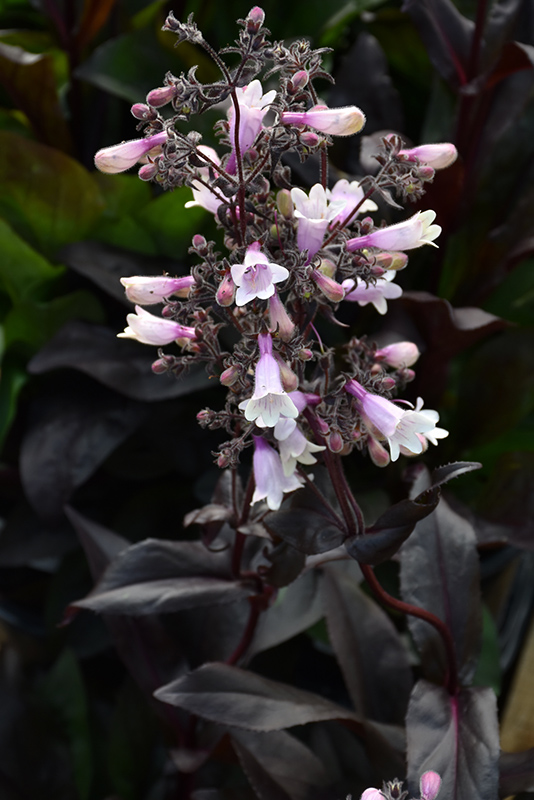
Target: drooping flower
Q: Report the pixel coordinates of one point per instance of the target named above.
(149, 329)
(269, 401)
(400, 427)
(257, 276)
(343, 121)
(428, 436)
(314, 213)
(202, 195)
(271, 481)
(407, 235)
(253, 105)
(437, 156)
(147, 291)
(398, 354)
(293, 445)
(350, 194)
(120, 157)
(377, 294)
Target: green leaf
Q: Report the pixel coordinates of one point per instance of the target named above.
(488, 671)
(64, 691)
(22, 269)
(172, 225)
(14, 376)
(48, 197)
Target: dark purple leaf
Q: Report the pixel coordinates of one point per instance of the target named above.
(286, 564)
(368, 648)
(122, 365)
(514, 57)
(440, 573)
(305, 530)
(232, 696)
(295, 610)
(446, 35)
(104, 265)
(26, 541)
(382, 539)
(278, 766)
(101, 546)
(499, 30)
(70, 435)
(516, 772)
(456, 736)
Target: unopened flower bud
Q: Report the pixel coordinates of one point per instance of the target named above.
(230, 375)
(160, 366)
(284, 203)
(426, 173)
(199, 242)
(226, 291)
(147, 171)
(224, 459)
(309, 138)
(335, 121)
(377, 271)
(407, 375)
(437, 156)
(377, 452)
(281, 322)
(372, 794)
(335, 442)
(389, 383)
(120, 157)
(392, 260)
(255, 19)
(289, 380)
(429, 785)
(327, 267)
(204, 416)
(324, 428)
(298, 81)
(305, 354)
(161, 96)
(142, 111)
(333, 290)
(399, 354)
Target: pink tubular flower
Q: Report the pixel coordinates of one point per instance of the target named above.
(437, 156)
(337, 121)
(406, 235)
(269, 401)
(147, 291)
(429, 785)
(399, 427)
(120, 157)
(257, 276)
(314, 213)
(253, 105)
(293, 446)
(399, 354)
(350, 194)
(271, 481)
(149, 329)
(377, 294)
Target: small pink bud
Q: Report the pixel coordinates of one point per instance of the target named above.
(281, 322)
(199, 242)
(230, 375)
(426, 173)
(305, 354)
(399, 354)
(223, 459)
(120, 157)
(159, 366)
(437, 156)
(289, 380)
(142, 111)
(429, 785)
(330, 288)
(408, 375)
(299, 80)
(309, 138)
(378, 271)
(226, 291)
(324, 428)
(255, 19)
(377, 452)
(335, 442)
(147, 171)
(389, 383)
(372, 794)
(204, 416)
(161, 96)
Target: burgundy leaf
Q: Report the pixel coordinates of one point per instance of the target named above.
(278, 766)
(368, 648)
(440, 572)
(233, 696)
(457, 737)
(286, 564)
(122, 365)
(307, 531)
(516, 772)
(101, 545)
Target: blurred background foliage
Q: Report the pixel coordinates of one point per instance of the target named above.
(83, 421)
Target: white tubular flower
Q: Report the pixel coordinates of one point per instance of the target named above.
(378, 294)
(149, 329)
(269, 401)
(350, 194)
(120, 157)
(202, 195)
(271, 481)
(293, 446)
(398, 426)
(257, 276)
(343, 121)
(437, 156)
(428, 436)
(406, 235)
(147, 291)
(253, 105)
(314, 213)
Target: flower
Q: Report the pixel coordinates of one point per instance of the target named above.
(280, 321)
(331, 289)
(253, 105)
(398, 426)
(437, 156)
(314, 214)
(120, 157)
(377, 293)
(350, 194)
(343, 121)
(429, 785)
(269, 401)
(271, 481)
(413, 232)
(149, 329)
(431, 435)
(202, 195)
(372, 794)
(399, 354)
(147, 291)
(294, 446)
(257, 276)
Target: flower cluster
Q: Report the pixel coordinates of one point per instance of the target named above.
(292, 256)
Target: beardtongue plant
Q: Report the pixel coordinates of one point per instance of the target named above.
(295, 407)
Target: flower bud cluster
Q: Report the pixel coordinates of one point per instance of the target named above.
(291, 256)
